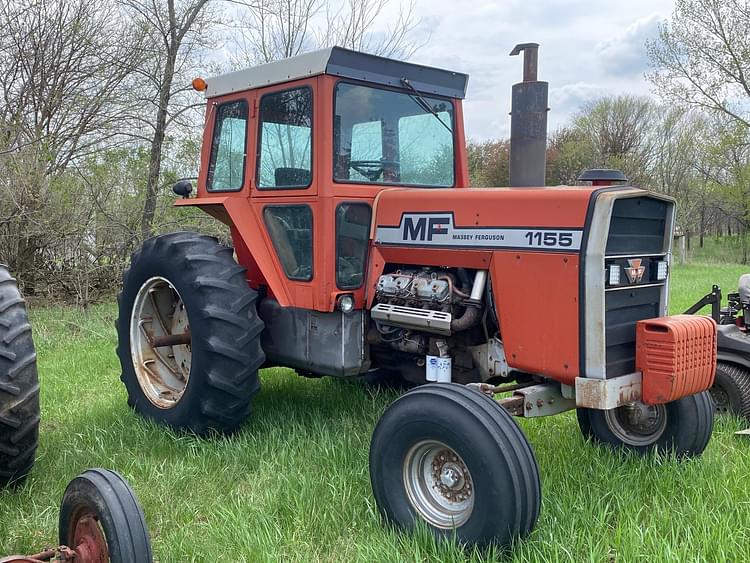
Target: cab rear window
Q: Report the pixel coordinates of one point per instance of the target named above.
(226, 168)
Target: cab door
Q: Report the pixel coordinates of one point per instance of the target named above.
(284, 187)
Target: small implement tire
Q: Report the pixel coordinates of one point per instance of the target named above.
(456, 460)
(731, 390)
(100, 519)
(184, 292)
(19, 386)
(681, 428)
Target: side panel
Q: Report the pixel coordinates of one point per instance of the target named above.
(536, 296)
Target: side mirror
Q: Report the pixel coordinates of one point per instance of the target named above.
(183, 188)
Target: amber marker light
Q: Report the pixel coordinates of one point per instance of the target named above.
(199, 85)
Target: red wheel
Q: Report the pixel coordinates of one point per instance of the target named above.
(101, 520)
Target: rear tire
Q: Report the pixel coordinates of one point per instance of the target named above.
(731, 390)
(19, 386)
(100, 513)
(456, 460)
(179, 283)
(681, 428)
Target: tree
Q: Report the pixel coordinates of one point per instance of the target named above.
(488, 162)
(62, 65)
(619, 128)
(174, 30)
(701, 58)
(269, 30)
(569, 152)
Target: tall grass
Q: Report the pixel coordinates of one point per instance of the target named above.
(293, 485)
(715, 250)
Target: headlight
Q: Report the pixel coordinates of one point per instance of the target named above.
(662, 268)
(614, 274)
(345, 303)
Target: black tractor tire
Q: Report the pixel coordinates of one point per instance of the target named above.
(731, 390)
(19, 386)
(686, 431)
(105, 497)
(485, 446)
(224, 327)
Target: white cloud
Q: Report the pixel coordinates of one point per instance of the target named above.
(582, 43)
(625, 53)
(569, 98)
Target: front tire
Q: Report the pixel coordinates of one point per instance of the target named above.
(731, 390)
(187, 290)
(101, 519)
(681, 428)
(454, 459)
(19, 386)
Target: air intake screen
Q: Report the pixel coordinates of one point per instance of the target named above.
(637, 226)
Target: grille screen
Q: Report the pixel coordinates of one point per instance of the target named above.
(637, 226)
(623, 309)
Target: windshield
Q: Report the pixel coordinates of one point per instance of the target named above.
(387, 137)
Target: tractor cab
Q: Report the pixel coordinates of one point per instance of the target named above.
(304, 145)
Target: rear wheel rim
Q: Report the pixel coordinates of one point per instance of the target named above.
(162, 372)
(637, 424)
(438, 484)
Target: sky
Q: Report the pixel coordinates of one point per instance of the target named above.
(588, 48)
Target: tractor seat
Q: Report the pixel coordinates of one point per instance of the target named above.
(289, 177)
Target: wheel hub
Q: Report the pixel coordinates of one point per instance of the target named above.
(720, 397)
(637, 424)
(438, 484)
(90, 543)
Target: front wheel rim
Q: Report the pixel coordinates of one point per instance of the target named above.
(438, 484)
(162, 371)
(637, 424)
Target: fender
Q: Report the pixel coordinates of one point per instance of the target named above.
(247, 233)
(733, 359)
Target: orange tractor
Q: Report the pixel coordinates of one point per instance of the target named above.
(361, 250)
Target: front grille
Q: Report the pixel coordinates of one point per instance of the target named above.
(623, 308)
(637, 230)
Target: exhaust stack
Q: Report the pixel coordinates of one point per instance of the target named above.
(528, 122)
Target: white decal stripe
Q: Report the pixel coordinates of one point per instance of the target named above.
(438, 230)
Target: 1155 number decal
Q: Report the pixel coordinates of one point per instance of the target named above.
(549, 238)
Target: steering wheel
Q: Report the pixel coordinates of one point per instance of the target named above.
(372, 169)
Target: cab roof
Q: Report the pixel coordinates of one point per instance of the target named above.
(338, 61)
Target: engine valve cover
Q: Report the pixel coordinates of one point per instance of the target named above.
(428, 289)
(394, 285)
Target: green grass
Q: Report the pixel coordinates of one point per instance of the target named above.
(293, 485)
(715, 250)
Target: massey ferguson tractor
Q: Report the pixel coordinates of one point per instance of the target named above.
(359, 248)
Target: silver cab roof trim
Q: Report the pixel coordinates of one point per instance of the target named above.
(294, 68)
(338, 61)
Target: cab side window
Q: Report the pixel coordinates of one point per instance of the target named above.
(226, 167)
(352, 243)
(291, 230)
(285, 140)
